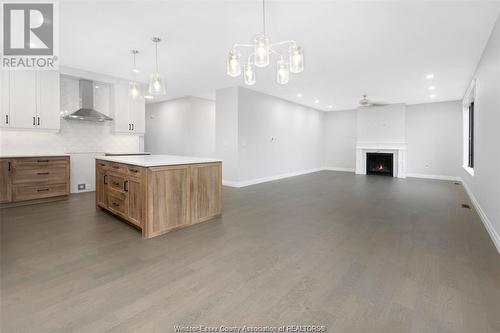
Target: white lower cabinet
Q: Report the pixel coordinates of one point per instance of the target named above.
(129, 113)
(30, 99)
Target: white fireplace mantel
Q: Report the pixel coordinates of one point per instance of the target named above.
(398, 151)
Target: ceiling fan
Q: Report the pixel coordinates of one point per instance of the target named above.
(365, 102)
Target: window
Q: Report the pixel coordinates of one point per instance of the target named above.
(469, 103)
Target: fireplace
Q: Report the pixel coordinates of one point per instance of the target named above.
(379, 164)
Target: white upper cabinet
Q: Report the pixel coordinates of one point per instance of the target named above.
(33, 99)
(48, 96)
(23, 99)
(129, 114)
(5, 118)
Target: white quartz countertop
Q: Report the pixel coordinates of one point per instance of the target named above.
(31, 155)
(157, 160)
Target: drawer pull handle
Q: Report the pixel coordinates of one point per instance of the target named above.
(43, 173)
(116, 183)
(42, 161)
(42, 189)
(115, 204)
(134, 170)
(116, 167)
(125, 186)
(102, 164)
(105, 179)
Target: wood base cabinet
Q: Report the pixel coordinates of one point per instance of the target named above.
(33, 179)
(160, 199)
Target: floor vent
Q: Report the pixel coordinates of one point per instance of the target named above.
(465, 206)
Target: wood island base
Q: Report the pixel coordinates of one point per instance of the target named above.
(159, 199)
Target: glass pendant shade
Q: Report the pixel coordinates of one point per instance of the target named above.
(233, 63)
(282, 72)
(134, 90)
(261, 50)
(296, 54)
(156, 85)
(249, 74)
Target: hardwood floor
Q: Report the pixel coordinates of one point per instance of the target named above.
(354, 253)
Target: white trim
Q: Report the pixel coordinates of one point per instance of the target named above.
(468, 169)
(487, 224)
(339, 169)
(244, 183)
(439, 177)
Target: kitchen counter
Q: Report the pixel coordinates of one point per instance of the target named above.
(159, 193)
(32, 155)
(157, 160)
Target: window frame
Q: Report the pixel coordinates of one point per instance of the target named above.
(469, 106)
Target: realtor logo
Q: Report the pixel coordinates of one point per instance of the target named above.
(29, 36)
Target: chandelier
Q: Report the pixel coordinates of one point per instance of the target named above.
(262, 51)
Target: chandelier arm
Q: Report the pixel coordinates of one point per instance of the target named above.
(250, 57)
(283, 43)
(242, 45)
(277, 53)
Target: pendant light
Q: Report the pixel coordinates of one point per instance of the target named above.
(260, 57)
(134, 87)
(156, 84)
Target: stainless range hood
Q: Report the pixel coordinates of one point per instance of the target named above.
(87, 111)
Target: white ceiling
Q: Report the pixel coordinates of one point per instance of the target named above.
(384, 49)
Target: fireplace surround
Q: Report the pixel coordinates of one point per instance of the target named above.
(398, 151)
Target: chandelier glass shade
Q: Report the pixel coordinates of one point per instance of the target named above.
(260, 54)
(135, 90)
(156, 83)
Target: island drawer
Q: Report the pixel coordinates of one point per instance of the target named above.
(40, 191)
(135, 171)
(117, 202)
(117, 182)
(117, 167)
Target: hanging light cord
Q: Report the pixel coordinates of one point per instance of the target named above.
(156, 52)
(264, 17)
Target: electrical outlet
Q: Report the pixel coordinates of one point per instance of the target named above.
(81, 187)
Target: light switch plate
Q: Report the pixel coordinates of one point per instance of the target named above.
(81, 187)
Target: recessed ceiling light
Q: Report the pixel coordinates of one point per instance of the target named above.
(148, 97)
(432, 88)
(316, 102)
(432, 96)
(299, 95)
(429, 76)
(330, 106)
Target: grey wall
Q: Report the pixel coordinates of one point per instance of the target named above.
(433, 134)
(340, 139)
(260, 136)
(485, 184)
(184, 126)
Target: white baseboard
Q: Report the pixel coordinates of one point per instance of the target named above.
(244, 183)
(426, 176)
(339, 169)
(487, 224)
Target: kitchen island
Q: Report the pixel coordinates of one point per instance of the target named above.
(159, 193)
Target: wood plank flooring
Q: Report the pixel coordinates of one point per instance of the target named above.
(353, 253)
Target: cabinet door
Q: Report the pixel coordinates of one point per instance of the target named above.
(138, 115)
(206, 194)
(101, 187)
(23, 99)
(5, 181)
(136, 201)
(122, 123)
(48, 97)
(4, 99)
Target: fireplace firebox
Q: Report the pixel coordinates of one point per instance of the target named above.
(379, 164)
